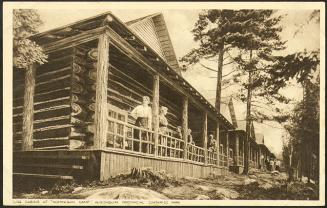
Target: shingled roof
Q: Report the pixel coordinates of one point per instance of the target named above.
(152, 29)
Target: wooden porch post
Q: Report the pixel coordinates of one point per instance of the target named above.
(155, 112)
(28, 110)
(227, 147)
(101, 110)
(260, 162)
(185, 124)
(243, 146)
(205, 136)
(218, 138)
(237, 146)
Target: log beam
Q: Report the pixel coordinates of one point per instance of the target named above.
(185, 124)
(28, 110)
(101, 110)
(155, 112)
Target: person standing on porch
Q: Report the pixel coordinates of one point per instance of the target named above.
(163, 123)
(143, 115)
(212, 144)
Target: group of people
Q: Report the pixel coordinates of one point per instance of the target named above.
(143, 115)
(272, 165)
(143, 119)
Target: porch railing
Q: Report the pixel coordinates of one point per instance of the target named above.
(212, 158)
(231, 161)
(240, 161)
(122, 135)
(169, 146)
(195, 153)
(222, 160)
(126, 136)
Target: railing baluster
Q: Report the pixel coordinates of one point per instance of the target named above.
(124, 135)
(140, 140)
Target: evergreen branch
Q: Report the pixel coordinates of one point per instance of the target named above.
(206, 67)
(228, 63)
(229, 73)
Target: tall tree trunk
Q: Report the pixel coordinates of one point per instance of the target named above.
(309, 159)
(219, 76)
(290, 170)
(248, 122)
(28, 110)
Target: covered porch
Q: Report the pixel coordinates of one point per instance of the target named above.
(111, 70)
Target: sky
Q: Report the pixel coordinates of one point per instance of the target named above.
(180, 24)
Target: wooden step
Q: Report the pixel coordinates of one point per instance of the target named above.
(77, 167)
(44, 176)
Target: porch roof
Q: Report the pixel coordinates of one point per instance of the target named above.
(162, 67)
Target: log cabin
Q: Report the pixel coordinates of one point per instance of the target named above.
(71, 115)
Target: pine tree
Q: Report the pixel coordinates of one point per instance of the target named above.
(26, 54)
(253, 35)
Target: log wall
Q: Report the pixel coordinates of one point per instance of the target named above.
(18, 98)
(52, 105)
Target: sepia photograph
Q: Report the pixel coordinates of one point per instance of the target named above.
(164, 103)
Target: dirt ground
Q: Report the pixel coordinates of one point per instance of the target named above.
(255, 186)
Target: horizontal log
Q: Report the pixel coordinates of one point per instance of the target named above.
(77, 136)
(78, 88)
(48, 132)
(47, 165)
(91, 107)
(55, 84)
(90, 128)
(43, 176)
(79, 39)
(92, 75)
(50, 142)
(46, 109)
(58, 111)
(77, 122)
(81, 52)
(78, 111)
(78, 79)
(44, 96)
(79, 60)
(78, 69)
(79, 99)
(54, 65)
(45, 104)
(91, 65)
(60, 53)
(53, 74)
(61, 120)
(77, 129)
(18, 76)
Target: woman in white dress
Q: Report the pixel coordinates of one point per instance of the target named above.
(143, 115)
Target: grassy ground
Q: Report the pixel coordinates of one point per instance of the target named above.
(256, 186)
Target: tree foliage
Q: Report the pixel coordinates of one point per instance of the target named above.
(303, 129)
(25, 51)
